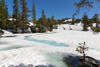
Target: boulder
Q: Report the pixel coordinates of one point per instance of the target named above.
(29, 65)
(41, 66)
(50, 65)
(21, 65)
(78, 61)
(1, 32)
(89, 62)
(33, 29)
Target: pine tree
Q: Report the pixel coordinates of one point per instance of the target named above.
(34, 12)
(3, 2)
(42, 23)
(85, 22)
(43, 16)
(3, 14)
(96, 20)
(86, 3)
(50, 24)
(24, 16)
(4, 19)
(38, 25)
(16, 15)
(73, 19)
(6, 12)
(44, 19)
(53, 23)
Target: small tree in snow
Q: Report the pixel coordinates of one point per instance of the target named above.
(85, 22)
(82, 48)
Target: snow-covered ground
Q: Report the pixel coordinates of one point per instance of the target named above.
(35, 48)
(76, 27)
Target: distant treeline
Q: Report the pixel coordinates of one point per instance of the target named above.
(19, 20)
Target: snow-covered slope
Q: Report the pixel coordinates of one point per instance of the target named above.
(76, 27)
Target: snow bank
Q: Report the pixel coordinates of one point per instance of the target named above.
(7, 33)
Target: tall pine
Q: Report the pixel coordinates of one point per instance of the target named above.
(24, 16)
(73, 19)
(96, 20)
(34, 12)
(44, 19)
(3, 14)
(42, 23)
(1, 6)
(16, 15)
(85, 22)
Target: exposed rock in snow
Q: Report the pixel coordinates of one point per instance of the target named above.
(7, 33)
(94, 25)
(31, 24)
(11, 19)
(68, 20)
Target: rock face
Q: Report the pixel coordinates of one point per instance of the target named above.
(77, 61)
(1, 33)
(40, 66)
(33, 29)
(89, 62)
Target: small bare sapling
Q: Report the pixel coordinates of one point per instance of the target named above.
(82, 48)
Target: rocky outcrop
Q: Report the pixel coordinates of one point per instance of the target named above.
(1, 33)
(78, 61)
(89, 62)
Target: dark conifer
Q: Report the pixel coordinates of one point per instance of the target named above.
(73, 19)
(16, 15)
(3, 14)
(24, 16)
(34, 12)
(96, 20)
(85, 22)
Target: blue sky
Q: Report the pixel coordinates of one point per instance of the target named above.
(58, 8)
